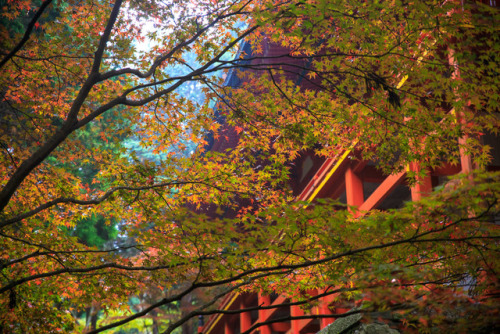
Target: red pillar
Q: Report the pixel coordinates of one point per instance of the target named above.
(353, 188)
(227, 327)
(296, 311)
(324, 309)
(423, 187)
(245, 317)
(465, 159)
(263, 314)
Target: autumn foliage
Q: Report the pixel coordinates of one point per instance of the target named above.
(400, 82)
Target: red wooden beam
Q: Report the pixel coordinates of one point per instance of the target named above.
(446, 169)
(383, 190)
(278, 301)
(281, 327)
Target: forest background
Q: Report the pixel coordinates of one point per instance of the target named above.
(102, 155)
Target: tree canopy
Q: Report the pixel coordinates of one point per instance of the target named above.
(401, 82)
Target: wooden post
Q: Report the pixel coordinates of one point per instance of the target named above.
(353, 188)
(465, 159)
(423, 187)
(324, 308)
(227, 327)
(245, 317)
(263, 314)
(296, 311)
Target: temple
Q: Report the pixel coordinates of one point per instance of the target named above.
(345, 177)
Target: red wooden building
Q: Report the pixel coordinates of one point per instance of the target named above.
(344, 177)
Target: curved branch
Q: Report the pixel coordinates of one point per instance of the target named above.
(160, 59)
(69, 270)
(193, 287)
(105, 196)
(122, 100)
(199, 311)
(279, 269)
(49, 251)
(63, 200)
